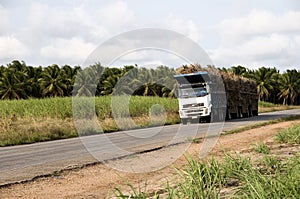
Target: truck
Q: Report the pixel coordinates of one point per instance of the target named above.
(213, 97)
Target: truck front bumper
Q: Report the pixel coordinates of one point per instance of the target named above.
(194, 112)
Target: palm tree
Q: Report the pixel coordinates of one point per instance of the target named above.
(11, 87)
(289, 86)
(238, 70)
(16, 66)
(108, 80)
(32, 86)
(69, 75)
(52, 82)
(265, 79)
(13, 81)
(87, 80)
(145, 83)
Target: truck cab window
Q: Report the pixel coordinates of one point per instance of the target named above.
(192, 92)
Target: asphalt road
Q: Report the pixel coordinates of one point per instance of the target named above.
(24, 162)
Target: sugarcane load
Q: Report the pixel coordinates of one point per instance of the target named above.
(206, 94)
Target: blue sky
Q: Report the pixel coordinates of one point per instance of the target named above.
(252, 33)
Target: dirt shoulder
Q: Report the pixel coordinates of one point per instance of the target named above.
(99, 181)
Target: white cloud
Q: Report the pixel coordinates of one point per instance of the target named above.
(116, 15)
(186, 27)
(258, 22)
(4, 19)
(58, 22)
(274, 49)
(259, 38)
(75, 50)
(12, 48)
(50, 29)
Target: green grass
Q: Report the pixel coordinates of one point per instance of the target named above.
(290, 135)
(234, 176)
(35, 120)
(61, 108)
(260, 124)
(32, 130)
(266, 104)
(264, 107)
(261, 148)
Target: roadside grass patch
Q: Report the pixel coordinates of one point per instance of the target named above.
(31, 130)
(36, 120)
(261, 148)
(232, 177)
(290, 135)
(235, 176)
(260, 124)
(264, 104)
(270, 107)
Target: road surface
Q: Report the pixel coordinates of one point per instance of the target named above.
(24, 162)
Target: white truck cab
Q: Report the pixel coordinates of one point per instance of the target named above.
(194, 96)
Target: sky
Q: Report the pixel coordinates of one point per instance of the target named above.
(251, 33)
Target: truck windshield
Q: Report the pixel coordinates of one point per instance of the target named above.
(192, 92)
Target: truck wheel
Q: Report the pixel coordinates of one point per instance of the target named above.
(239, 112)
(254, 112)
(250, 111)
(228, 115)
(208, 119)
(195, 121)
(184, 120)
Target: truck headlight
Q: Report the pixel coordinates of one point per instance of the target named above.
(206, 110)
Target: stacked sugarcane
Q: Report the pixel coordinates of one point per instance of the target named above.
(241, 92)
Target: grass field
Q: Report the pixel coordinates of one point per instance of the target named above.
(61, 108)
(35, 120)
(270, 107)
(268, 175)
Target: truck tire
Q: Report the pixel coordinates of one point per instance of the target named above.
(184, 120)
(250, 111)
(228, 115)
(246, 114)
(254, 112)
(239, 112)
(208, 119)
(195, 120)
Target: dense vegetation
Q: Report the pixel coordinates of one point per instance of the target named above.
(19, 81)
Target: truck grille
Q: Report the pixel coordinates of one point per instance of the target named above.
(193, 105)
(193, 111)
(194, 114)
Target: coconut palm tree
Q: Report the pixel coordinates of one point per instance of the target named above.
(145, 83)
(32, 86)
(289, 86)
(87, 80)
(69, 75)
(238, 70)
(108, 80)
(265, 79)
(13, 81)
(52, 82)
(11, 86)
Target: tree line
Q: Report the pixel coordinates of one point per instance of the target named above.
(19, 81)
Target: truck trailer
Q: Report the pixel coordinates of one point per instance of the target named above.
(204, 96)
